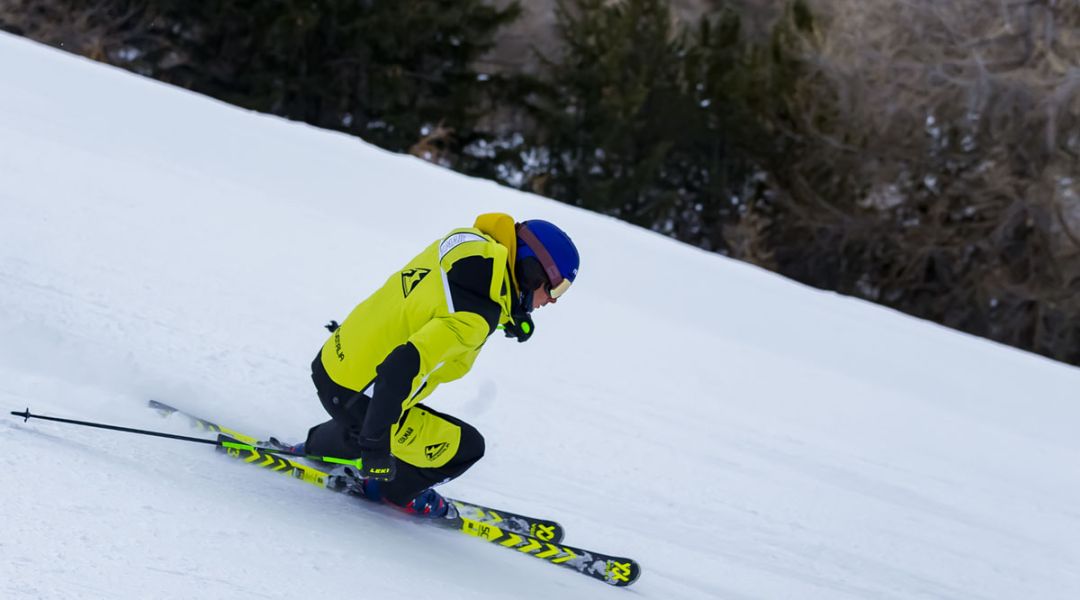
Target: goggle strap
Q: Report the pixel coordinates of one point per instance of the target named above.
(553, 275)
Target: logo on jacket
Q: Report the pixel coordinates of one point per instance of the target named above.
(410, 278)
(337, 345)
(404, 437)
(436, 450)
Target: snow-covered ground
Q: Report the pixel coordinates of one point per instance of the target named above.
(741, 435)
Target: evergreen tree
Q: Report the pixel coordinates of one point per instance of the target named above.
(381, 70)
(649, 121)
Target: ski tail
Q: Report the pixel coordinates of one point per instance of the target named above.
(202, 424)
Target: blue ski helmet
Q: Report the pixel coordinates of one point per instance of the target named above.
(553, 249)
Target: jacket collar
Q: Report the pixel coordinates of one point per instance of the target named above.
(501, 227)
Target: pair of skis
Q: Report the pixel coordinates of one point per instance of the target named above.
(538, 538)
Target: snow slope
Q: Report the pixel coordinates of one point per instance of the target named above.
(739, 434)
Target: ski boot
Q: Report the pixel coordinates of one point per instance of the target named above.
(428, 504)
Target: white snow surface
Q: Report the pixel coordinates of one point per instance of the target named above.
(741, 435)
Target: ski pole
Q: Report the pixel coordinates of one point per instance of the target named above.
(27, 415)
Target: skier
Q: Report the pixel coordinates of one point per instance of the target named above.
(425, 326)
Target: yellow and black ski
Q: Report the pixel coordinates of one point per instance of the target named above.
(544, 530)
(498, 527)
(613, 570)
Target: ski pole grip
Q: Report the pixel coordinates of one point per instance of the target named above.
(356, 462)
(326, 459)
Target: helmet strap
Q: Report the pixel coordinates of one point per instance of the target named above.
(525, 302)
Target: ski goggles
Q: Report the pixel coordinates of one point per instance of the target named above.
(557, 284)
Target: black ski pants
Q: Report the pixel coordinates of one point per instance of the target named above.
(347, 408)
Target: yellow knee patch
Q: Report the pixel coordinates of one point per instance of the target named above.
(424, 439)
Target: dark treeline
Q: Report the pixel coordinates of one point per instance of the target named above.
(919, 154)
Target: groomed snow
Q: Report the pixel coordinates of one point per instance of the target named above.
(742, 436)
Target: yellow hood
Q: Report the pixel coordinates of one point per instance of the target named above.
(502, 228)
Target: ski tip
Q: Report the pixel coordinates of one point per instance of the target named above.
(559, 532)
(622, 572)
(636, 574)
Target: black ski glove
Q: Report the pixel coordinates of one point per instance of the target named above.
(521, 327)
(376, 462)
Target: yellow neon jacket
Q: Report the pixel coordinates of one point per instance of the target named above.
(427, 323)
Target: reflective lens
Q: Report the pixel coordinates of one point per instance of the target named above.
(559, 290)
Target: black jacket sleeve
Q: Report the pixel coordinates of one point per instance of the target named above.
(470, 288)
(393, 382)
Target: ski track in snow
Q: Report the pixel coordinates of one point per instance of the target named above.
(742, 436)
